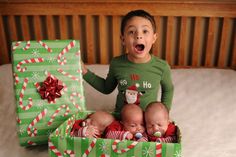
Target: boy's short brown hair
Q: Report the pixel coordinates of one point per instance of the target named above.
(139, 13)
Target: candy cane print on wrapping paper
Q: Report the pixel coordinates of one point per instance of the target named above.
(27, 61)
(60, 59)
(54, 149)
(45, 46)
(57, 132)
(68, 75)
(77, 53)
(57, 111)
(158, 149)
(27, 46)
(105, 155)
(16, 45)
(69, 152)
(79, 71)
(16, 78)
(77, 94)
(31, 130)
(31, 143)
(22, 93)
(69, 125)
(87, 151)
(37, 85)
(115, 143)
(18, 120)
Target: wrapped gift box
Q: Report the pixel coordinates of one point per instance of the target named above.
(62, 144)
(48, 86)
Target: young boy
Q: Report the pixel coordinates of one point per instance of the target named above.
(131, 126)
(137, 73)
(93, 125)
(159, 128)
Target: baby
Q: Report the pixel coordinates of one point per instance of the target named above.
(131, 126)
(159, 128)
(93, 126)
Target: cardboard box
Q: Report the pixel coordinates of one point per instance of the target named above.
(38, 113)
(62, 144)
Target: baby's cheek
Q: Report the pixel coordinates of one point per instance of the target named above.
(149, 131)
(142, 130)
(132, 130)
(163, 130)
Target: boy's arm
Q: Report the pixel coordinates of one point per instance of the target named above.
(167, 88)
(105, 86)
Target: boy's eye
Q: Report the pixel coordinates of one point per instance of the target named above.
(145, 31)
(131, 32)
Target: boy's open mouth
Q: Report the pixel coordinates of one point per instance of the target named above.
(139, 47)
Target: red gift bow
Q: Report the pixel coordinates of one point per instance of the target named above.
(50, 89)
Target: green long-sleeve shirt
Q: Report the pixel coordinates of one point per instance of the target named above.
(145, 78)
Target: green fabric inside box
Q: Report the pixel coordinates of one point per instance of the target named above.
(32, 62)
(62, 144)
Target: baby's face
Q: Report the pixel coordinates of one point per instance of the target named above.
(96, 121)
(134, 124)
(156, 123)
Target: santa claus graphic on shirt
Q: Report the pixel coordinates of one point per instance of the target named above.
(132, 95)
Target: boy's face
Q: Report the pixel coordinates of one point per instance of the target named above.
(156, 122)
(134, 123)
(138, 39)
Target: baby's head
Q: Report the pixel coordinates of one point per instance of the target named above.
(132, 118)
(100, 119)
(156, 118)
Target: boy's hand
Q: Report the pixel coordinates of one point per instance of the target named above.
(84, 69)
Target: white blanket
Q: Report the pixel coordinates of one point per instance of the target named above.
(204, 107)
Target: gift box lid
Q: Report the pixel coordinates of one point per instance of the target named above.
(48, 86)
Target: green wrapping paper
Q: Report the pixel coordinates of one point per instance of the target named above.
(62, 144)
(33, 62)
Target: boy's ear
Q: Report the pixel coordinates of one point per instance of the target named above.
(122, 39)
(154, 38)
